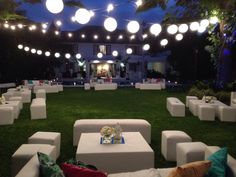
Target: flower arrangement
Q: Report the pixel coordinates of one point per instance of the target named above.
(2, 100)
(107, 131)
(208, 99)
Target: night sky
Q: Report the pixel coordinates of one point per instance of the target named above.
(123, 12)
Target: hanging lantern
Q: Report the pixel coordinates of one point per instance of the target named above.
(54, 6)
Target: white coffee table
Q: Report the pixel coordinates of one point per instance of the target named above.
(135, 154)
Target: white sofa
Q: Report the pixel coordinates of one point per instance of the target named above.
(233, 99)
(31, 169)
(47, 88)
(150, 86)
(94, 125)
(105, 86)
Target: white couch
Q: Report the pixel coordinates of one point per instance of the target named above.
(233, 99)
(175, 107)
(31, 169)
(47, 88)
(94, 125)
(150, 86)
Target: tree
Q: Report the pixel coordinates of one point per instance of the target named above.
(222, 37)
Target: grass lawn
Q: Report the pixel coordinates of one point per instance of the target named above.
(74, 103)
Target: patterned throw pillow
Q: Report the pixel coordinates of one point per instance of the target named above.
(193, 169)
(48, 168)
(78, 171)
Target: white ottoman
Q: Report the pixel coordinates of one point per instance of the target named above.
(137, 85)
(41, 93)
(206, 112)
(190, 98)
(26, 151)
(227, 113)
(189, 152)
(17, 98)
(38, 109)
(60, 87)
(52, 138)
(169, 139)
(6, 115)
(86, 86)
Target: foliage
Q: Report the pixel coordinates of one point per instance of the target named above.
(223, 96)
(154, 74)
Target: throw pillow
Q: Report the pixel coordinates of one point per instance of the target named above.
(77, 171)
(193, 169)
(219, 163)
(47, 166)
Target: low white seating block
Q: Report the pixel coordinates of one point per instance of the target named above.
(41, 93)
(206, 112)
(137, 85)
(150, 86)
(52, 138)
(86, 86)
(227, 113)
(105, 86)
(94, 125)
(17, 98)
(190, 98)
(60, 87)
(233, 99)
(6, 115)
(189, 152)
(175, 107)
(169, 139)
(7, 95)
(48, 88)
(26, 151)
(38, 109)
(15, 105)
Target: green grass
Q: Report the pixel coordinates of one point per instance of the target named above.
(72, 104)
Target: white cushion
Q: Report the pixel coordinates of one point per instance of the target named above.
(152, 172)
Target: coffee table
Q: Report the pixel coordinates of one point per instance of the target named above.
(135, 154)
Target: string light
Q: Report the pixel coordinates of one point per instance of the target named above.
(214, 20)
(179, 37)
(44, 25)
(6, 25)
(204, 23)
(132, 37)
(73, 19)
(172, 29)
(44, 31)
(183, 28)
(145, 36)
(194, 26)
(139, 3)
(95, 37)
(58, 23)
(83, 36)
(129, 51)
(115, 53)
(120, 36)
(146, 47)
(110, 8)
(108, 37)
(47, 53)
(92, 14)
(78, 56)
(33, 51)
(13, 27)
(70, 35)
(67, 55)
(164, 42)
(39, 52)
(20, 26)
(26, 49)
(99, 55)
(20, 46)
(201, 29)
(57, 55)
(57, 33)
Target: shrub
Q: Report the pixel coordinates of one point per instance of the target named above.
(223, 96)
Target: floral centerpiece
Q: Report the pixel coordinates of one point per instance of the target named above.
(107, 133)
(2, 100)
(208, 99)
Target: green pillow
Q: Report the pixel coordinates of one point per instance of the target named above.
(48, 168)
(219, 163)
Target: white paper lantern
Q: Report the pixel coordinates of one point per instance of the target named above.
(146, 47)
(164, 42)
(99, 55)
(129, 51)
(82, 16)
(110, 61)
(78, 56)
(54, 6)
(179, 37)
(155, 29)
(183, 28)
(194, 26)
(172, 29)
(115, 53)
(110, 24)
(133, 26)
